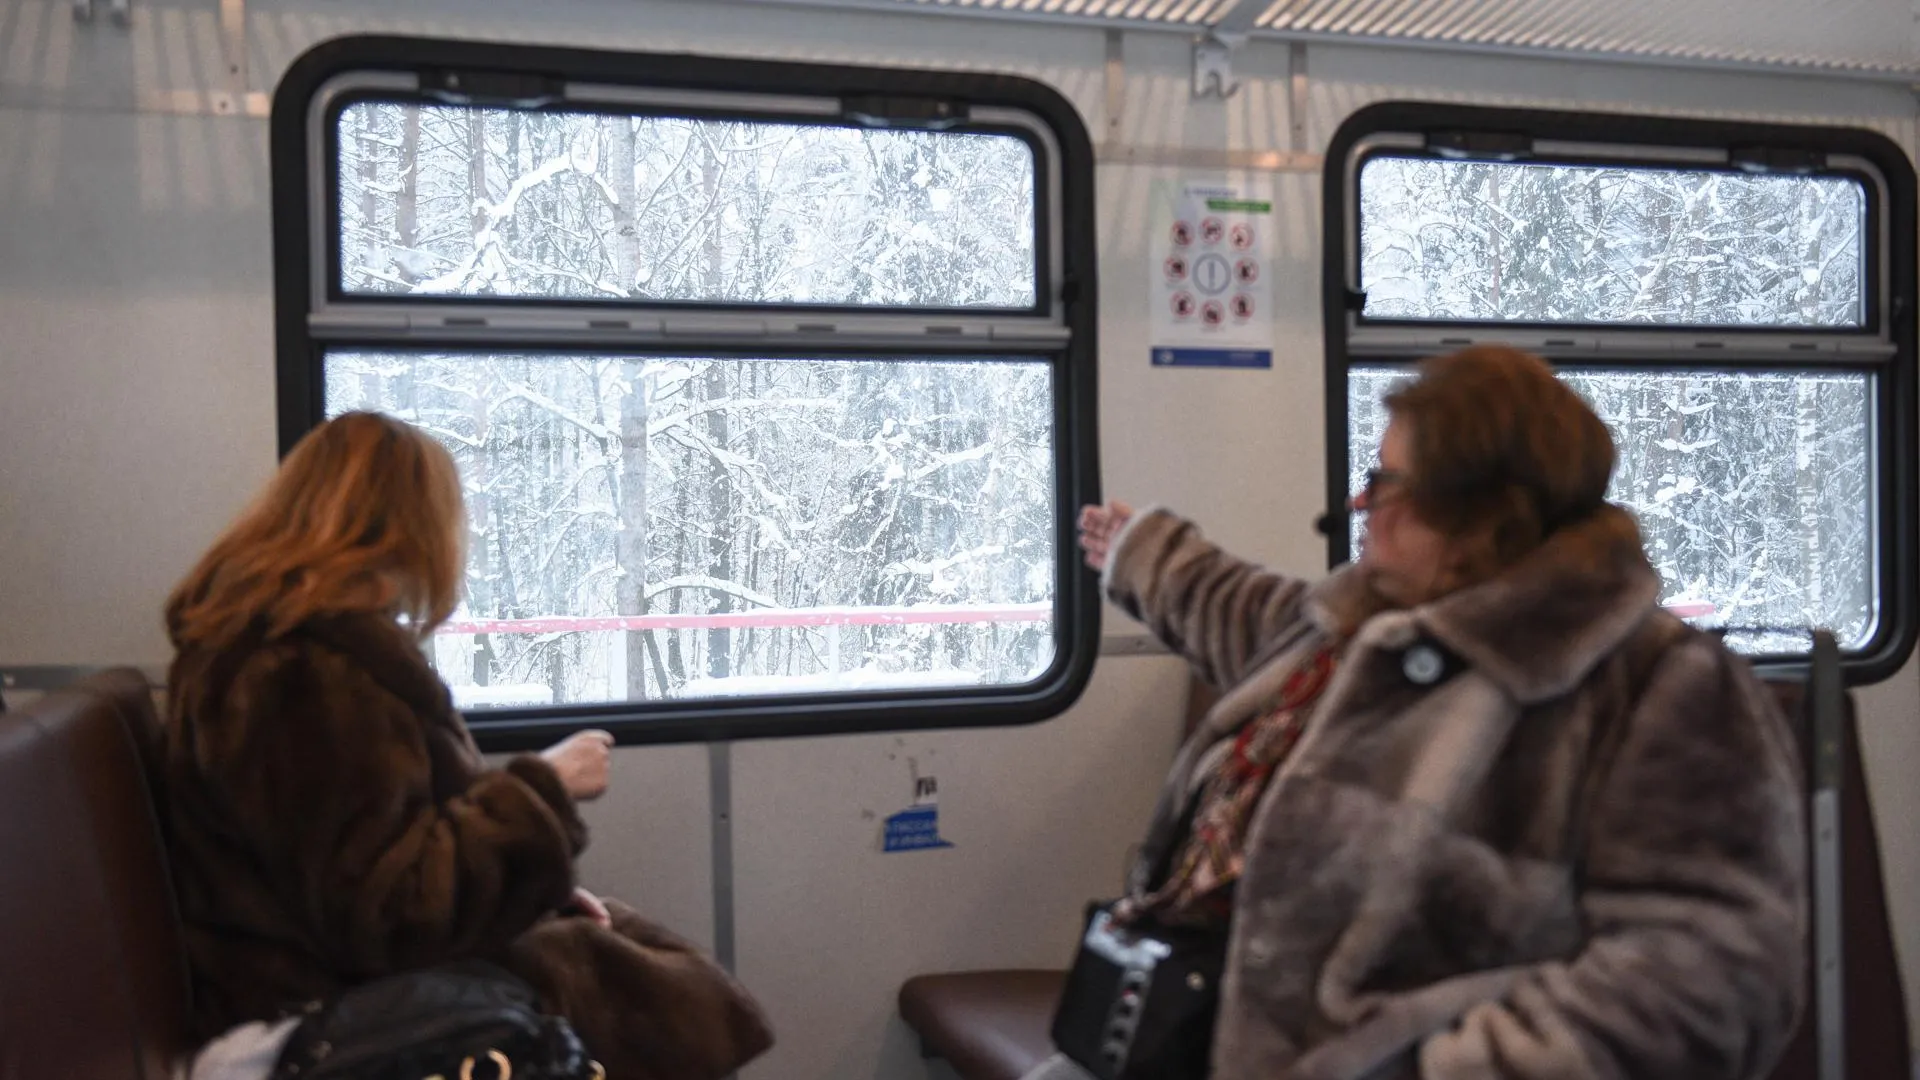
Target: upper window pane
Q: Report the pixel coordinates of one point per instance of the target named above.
(1491, 242)
(1753, 491)
(677, 528)
(465, 201)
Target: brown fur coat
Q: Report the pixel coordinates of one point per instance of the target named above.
(1579, 857)
(331, 821)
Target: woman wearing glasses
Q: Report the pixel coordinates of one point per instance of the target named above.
(1473, 806)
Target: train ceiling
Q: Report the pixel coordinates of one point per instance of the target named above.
(1863, 39)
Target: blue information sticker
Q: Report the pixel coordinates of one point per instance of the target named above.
(914, 829)
(1227, 358)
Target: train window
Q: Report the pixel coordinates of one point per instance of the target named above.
(1753, 490)
(770, 384)
(1734, 300)
(452, 201)
(824, 524)
(1484, 241)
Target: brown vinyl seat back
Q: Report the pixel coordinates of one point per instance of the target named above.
(93, 982)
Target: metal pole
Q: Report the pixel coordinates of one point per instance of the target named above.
(1827, 701)
(720, 807)
(1297, 98)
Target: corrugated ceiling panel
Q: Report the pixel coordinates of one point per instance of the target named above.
(1845, 36)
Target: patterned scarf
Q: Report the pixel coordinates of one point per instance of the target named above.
(1199, 890)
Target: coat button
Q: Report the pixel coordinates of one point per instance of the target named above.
(1422, 665)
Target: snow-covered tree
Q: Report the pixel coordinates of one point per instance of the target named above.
(628, 485)
(1753, 488)
(1480, 241)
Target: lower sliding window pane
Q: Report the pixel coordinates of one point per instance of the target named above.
(1753, 491)
(687, 527)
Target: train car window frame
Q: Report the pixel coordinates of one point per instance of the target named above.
(316, 316)
(1881, 347)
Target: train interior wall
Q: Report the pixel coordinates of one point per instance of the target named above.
(137, 412)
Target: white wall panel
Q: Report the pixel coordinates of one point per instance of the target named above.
(136, 379)
(1040, 818)
(650, 838)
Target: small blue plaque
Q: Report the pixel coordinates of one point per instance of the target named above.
(1227, 358)
(914, 829)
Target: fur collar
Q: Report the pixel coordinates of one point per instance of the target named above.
(1539, 628)
(385, 652)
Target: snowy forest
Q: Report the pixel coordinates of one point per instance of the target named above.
(1752, 491)
(1565, 244)
(445, 201)
(912, 500)
(844, 523)
(1752, 488)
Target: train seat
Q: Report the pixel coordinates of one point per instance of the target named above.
(93, 978)
(989, 1025)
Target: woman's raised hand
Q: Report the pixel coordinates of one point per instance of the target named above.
(1098, 526)
(583, 761)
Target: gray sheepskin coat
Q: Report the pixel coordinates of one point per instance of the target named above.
(1581, 855)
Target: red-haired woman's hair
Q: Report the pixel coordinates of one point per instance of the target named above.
(364, 515)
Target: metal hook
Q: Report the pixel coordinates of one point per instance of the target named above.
(1213, 66)
(121, 10)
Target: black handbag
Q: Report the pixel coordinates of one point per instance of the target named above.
(1140, 1001)
(464, 1021)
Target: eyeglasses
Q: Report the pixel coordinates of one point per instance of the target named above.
(1376, 479)
(1379, 478)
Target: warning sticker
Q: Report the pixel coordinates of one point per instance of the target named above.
(1212, 303)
